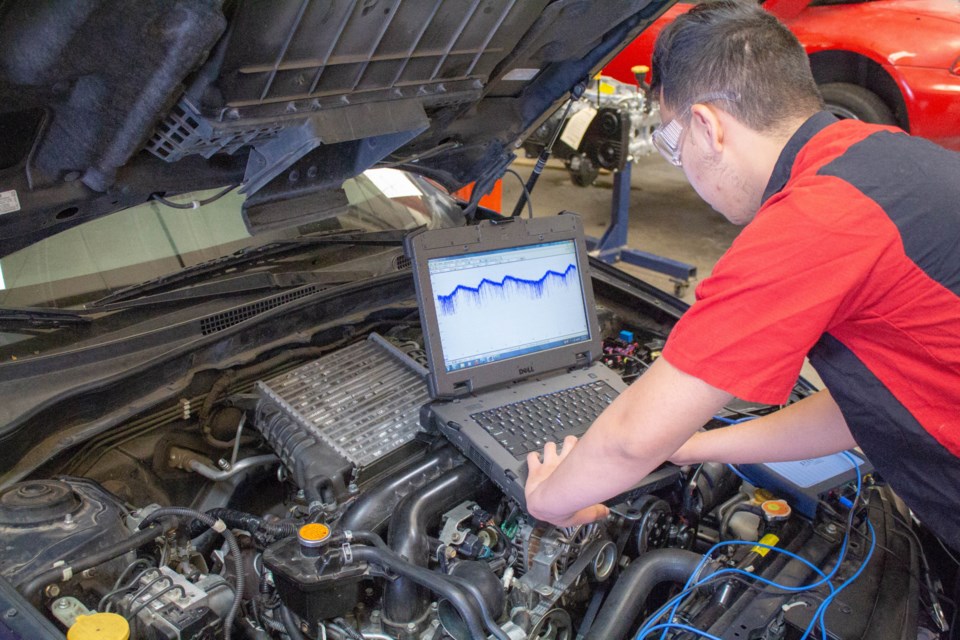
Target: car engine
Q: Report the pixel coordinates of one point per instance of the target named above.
(317, 507)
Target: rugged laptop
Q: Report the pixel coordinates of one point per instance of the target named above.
(512, 338)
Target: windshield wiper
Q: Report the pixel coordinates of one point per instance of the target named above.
(250, 255)
(40, 317)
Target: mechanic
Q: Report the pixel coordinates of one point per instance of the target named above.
(850, 253)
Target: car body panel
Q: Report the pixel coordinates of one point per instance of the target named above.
(203, 93)
(915, 42)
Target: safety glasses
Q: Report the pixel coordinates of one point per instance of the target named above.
(667, 137)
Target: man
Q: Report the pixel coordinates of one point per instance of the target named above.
(851, 253)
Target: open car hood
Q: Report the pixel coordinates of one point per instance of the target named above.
(104, 103)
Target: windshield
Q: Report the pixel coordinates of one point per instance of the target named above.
(151, 240)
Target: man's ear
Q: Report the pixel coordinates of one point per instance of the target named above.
(706, 123)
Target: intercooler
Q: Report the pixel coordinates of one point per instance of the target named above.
(331, 418)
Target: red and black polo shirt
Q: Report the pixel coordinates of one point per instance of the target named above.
(854, 259)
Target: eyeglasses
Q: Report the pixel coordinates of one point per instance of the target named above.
(668, 136)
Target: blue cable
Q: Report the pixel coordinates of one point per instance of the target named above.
(740, 473)
(820, 613)
(683, 627)
(689, 588)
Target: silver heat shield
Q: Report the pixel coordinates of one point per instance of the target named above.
(347, 409)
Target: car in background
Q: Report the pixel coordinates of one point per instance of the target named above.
(891, 62)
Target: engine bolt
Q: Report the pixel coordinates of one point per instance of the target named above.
(411, 626)
(63, 603)
(52, 591)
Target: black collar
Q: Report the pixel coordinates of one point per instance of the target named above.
(781, 171)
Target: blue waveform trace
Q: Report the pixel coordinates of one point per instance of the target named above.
(448, 303)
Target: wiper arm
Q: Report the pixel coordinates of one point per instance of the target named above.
(251, 255)
(40, 317)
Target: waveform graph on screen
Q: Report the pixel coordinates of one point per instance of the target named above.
(509, 291)
(492, 310)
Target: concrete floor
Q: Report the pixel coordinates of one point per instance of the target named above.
(667, 217)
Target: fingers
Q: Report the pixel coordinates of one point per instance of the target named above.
(549, 452)
(568, 444)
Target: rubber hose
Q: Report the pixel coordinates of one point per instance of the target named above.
(135, 541)
(246, 521)
(371, 538)
(290, 625)
(433, 581)
(234, 548)
(373, 509)
(404, 601)
(273, 625)
(626, 599)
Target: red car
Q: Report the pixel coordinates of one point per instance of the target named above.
(885, 61)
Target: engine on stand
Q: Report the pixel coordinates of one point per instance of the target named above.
(610, 125)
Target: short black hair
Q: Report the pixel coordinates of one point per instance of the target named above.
(735, 47)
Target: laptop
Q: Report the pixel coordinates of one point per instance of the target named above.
(513, 341)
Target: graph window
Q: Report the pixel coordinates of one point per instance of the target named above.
(504, 304)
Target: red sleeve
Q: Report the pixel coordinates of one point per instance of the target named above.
(790, 275)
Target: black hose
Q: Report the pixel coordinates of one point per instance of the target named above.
(433, 581)
(371, 538)
(373, 509)
(405, 601)
(234, 548)
(246, 521)
(273, 625)
(57, 574)
(290, 625)
(626, 599)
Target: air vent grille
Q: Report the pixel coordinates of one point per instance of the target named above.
(185, 132)
(229, 318)
(402, 263)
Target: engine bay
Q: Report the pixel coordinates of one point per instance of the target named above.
(297, 496)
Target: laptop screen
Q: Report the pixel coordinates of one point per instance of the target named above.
(507, 303)
(503, 301)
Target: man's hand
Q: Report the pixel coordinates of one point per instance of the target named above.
(539, 471)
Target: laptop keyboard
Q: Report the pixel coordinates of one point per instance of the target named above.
(527, 425)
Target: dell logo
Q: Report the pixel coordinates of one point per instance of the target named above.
(525, 370)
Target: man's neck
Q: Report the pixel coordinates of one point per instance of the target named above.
(757, 154)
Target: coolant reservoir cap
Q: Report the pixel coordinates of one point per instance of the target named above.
(774, 510)
(100, 626)
(313, 536)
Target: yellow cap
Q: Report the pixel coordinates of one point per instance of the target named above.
(314, 532)
(100, 626)
(640, 69)
(762, 495)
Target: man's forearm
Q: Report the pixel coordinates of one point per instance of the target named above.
(809, 428)
(634, 435)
